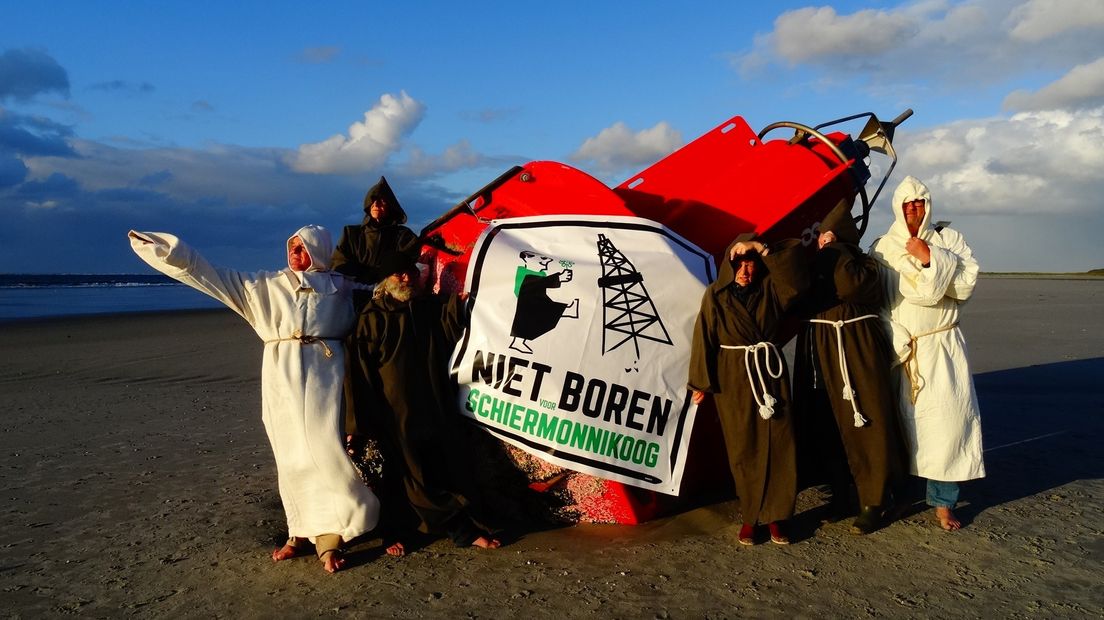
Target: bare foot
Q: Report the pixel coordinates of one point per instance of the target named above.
(485, 542)
(396, 550)
(288, 551)
(947, 519)
(332, 560)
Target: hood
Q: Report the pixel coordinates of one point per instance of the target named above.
(395, 213)
(319, 245)
(726, 274)
(840, 222)
(396, 262)
(911, 189)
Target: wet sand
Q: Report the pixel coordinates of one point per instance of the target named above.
(137, 480)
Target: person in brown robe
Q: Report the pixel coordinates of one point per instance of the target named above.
(408, 401)
(734, 359)
(844, 399)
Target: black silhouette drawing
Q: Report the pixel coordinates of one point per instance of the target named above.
(537, 313)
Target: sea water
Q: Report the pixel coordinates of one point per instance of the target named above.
(26, 296)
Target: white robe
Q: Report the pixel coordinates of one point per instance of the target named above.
(301, 388)
(943, 427)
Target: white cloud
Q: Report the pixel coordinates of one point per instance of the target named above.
(953, 45)
(1036, 20)
(617, 147)
(1031, 163)
(812, 33)
(459, 156)
(368, 144)
(1083, 86)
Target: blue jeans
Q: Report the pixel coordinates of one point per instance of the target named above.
(942, 494)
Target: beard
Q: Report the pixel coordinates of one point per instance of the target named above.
(396, 289)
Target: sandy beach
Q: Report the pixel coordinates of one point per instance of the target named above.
(137, 480)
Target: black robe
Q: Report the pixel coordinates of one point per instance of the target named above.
(364, 253)
(761, 452)
(536, 313)
(408, 401)
(362, 249)
(846, 285)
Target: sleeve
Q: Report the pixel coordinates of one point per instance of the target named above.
(788, 272)
(344, 259)
(176, 259)
(455, 317)
(927, 286)
(966, 266)
(703, 352)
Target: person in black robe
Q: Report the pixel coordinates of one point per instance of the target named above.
(359, 254)
(847, 421)
(363, 247)
(408, 401)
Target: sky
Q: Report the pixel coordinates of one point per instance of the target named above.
(233, 124)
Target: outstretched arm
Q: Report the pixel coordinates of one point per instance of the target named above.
(176, 259)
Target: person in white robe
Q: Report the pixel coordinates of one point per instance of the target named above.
(302, 314)
(929, 272)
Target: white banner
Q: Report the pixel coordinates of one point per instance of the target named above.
(580, 341)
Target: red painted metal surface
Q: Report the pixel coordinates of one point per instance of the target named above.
(725, 183)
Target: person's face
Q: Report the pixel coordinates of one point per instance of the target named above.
(825, 238)
(298, 257)
(914, 214)
(378, 210)
(401, 286)
(745, 272)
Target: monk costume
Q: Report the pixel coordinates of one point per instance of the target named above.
(940, 419)
(358, 255)
(409, 401)
(734, 359)
(362, 247)
(302, 317)
(843, 390)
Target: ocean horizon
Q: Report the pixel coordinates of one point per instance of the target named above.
(32, 296)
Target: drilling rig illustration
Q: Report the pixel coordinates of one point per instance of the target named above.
(628, 313)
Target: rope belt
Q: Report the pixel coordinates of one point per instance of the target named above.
(912, 367)
(757, 382)
(848, 392)
(298, 336)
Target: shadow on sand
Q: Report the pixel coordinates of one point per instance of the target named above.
(1042, 428)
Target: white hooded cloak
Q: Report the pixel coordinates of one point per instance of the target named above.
(301, 380)
(943, 426)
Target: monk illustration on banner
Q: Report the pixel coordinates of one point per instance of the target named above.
(537, 313)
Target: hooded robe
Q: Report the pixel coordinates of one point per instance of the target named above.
(846, 285)
(362, 248)
(301, 385)
(942, 425)
(760, 451)
(410, 401)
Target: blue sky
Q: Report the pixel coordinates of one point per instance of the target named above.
(232, 124)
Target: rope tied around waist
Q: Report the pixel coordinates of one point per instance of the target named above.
(848, 392)
(756, 380)
(912, 367)
(297, 336)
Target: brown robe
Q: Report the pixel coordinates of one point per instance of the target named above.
(846, 285)
(408, 401)
(761, 452)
